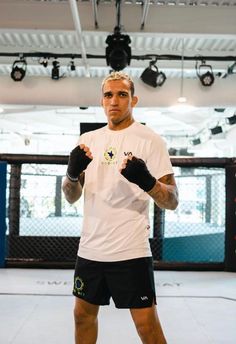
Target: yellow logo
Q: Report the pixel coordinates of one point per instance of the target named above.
(78, 286)
(110, 154)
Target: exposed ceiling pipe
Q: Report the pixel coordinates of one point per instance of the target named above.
(79, 35)
(169, 57)
(145, 12)
(181, 98)
(95, 13)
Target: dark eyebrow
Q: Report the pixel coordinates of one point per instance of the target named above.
(108, 93)
(120, 93)
(123, 92)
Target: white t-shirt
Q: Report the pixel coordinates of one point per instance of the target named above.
(116, 221)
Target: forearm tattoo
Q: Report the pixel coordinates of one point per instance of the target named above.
(165, 193)
(72, 191)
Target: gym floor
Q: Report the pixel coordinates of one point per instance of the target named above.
(36, 307)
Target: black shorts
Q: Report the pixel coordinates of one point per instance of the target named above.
(130, 283)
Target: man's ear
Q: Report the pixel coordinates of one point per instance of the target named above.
(134, 101)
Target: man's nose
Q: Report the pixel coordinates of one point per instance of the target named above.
(114, 100)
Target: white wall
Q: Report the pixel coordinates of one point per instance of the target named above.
(86, 92)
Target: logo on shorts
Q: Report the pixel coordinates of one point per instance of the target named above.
(78, 286)
(144, 298)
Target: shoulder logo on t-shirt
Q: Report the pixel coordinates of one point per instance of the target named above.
(110, 156)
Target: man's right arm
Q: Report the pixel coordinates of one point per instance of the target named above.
(73, 190)
(73, 183)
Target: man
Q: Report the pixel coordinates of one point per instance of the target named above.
(120, 166)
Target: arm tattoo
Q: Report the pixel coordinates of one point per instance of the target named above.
(72, 190)
(165, 192)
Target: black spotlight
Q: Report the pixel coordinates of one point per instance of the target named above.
(19, 70)
(118, 51)
(219, 110)
(44, 62)
(55, 70)
(216, 130)
(196, 141)
(72, 65)
(205, 74)
(152, 77)
(232, 69)
(231, 120)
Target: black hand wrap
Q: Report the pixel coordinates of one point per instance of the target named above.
(78, 162)
(136, 172)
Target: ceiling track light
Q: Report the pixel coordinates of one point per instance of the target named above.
(55, 70)
(205, 74)
(151, 75)
(19, 69)
(72, 65)
(118, 51)
(196, 141)
(232, 69)
(216, 130)
(231, 120)
(44, 61)
(220, 110)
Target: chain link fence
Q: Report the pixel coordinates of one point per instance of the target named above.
(44, 210)
(195, 231)
(41, 224)
(42, 227)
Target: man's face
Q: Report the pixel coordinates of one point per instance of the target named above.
(118, 103)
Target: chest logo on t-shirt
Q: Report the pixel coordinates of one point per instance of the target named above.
(128, 153)
(110, 156)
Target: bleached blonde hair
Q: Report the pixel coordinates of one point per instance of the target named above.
(119, 76)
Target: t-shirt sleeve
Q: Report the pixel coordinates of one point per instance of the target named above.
(158, 162)
(83, 139)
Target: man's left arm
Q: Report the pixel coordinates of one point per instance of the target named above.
(165, 192)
